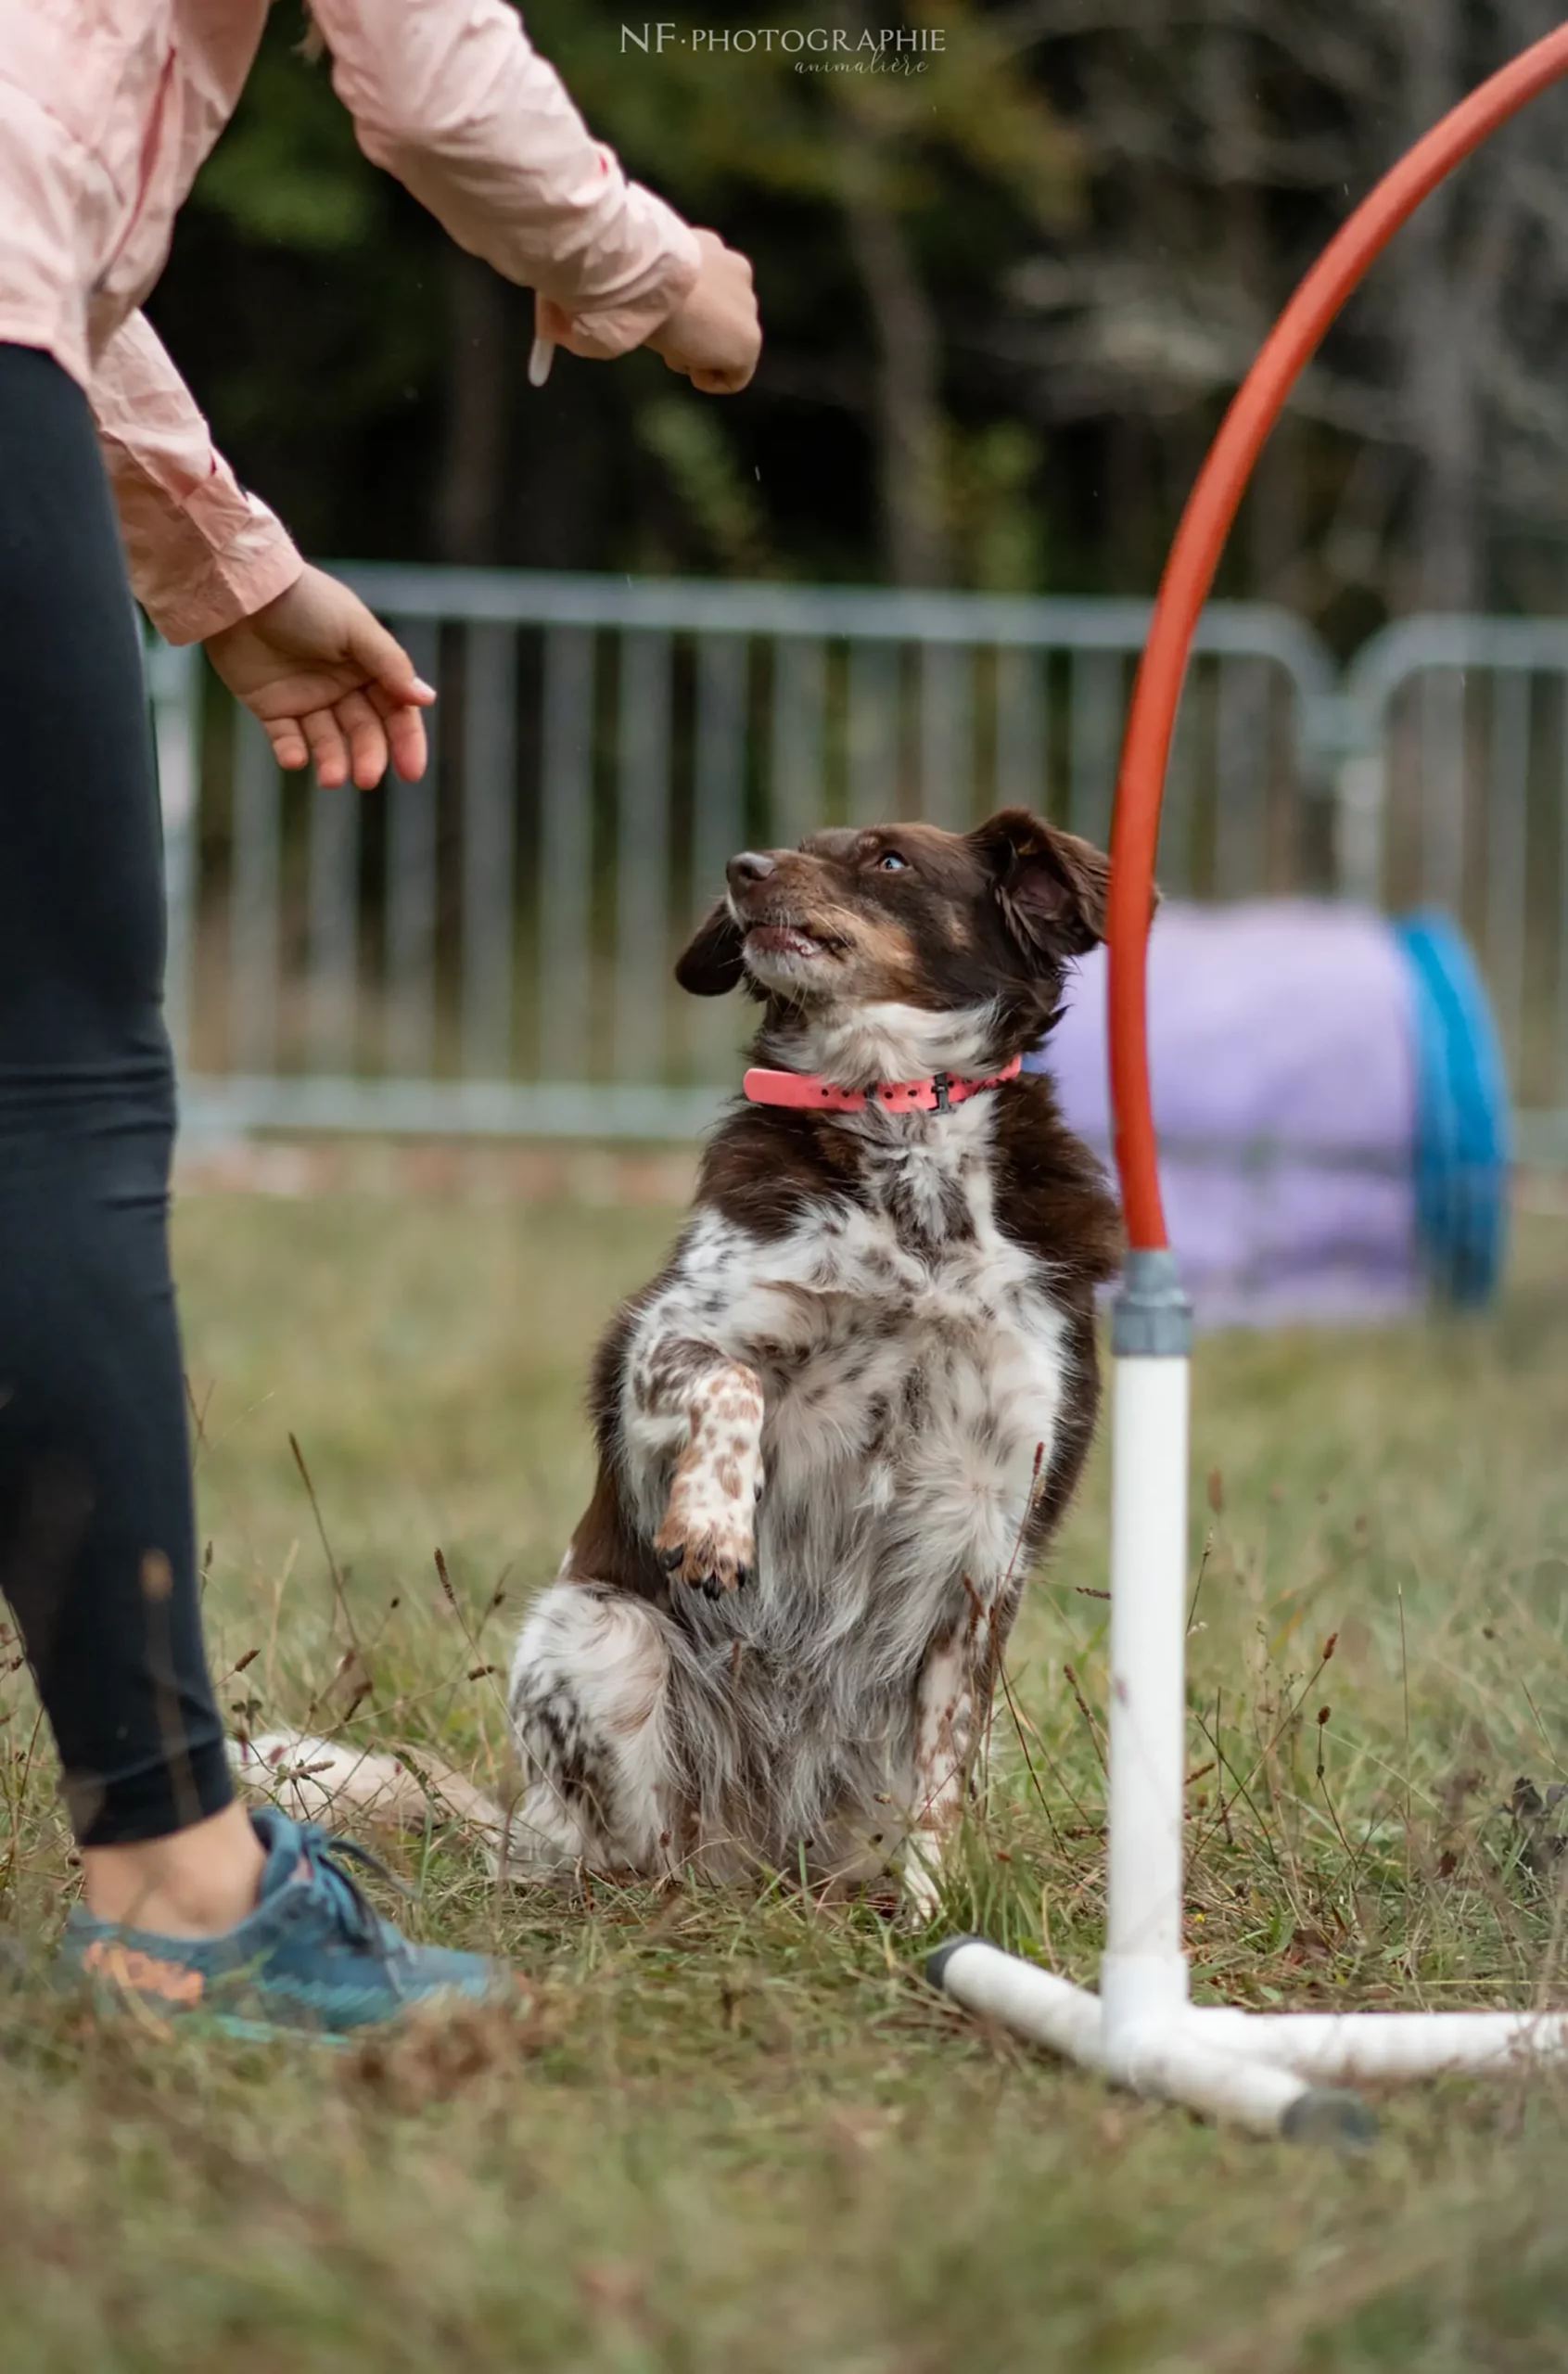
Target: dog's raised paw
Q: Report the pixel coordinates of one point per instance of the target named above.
(706, 1537)
(712, 1558)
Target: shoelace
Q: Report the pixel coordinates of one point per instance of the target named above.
(322, 1855)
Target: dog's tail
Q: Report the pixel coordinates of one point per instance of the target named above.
(317, 1779)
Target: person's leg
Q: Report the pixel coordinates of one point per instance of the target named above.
(190, 1901)
(96, 1534)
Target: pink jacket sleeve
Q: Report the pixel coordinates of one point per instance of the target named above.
(451, 97)
(201, 551)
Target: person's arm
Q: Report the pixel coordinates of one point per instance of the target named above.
(201, 551)
(451, 97)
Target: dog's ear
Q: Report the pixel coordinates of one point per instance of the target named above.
(1051, 887)
(710, 962)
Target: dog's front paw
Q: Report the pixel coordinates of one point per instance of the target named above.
(708, 1537)
(706, 1542)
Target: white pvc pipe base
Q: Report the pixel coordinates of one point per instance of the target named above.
(1273, 2072)
(1170, 2058)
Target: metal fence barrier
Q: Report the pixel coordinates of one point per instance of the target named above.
(488, 951)
(1454, 794)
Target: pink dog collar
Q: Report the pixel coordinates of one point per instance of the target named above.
(807, 1093)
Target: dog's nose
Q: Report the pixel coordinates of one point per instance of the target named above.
(749, 867)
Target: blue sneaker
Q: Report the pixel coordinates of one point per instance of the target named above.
(314, 1955)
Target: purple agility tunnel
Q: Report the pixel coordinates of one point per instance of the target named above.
(1332, 1109)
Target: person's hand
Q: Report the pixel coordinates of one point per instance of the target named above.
(328, 682)
(713, 335)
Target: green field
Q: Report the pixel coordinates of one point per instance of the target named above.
(735, 2134)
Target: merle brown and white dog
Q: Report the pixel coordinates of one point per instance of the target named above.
(835, 1429)
(840, 1425)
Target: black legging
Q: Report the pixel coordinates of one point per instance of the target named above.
(96, 1533)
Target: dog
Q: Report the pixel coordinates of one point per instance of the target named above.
(843, 1423)
(848, 1416)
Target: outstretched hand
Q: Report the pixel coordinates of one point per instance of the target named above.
(713, 336)
(328, 682)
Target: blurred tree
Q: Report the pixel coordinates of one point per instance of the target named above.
(701, 464)
(1427, 458)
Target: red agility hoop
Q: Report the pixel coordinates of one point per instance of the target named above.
(1274, 2073)
(1189, 571)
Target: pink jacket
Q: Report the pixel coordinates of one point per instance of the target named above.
(107, 109)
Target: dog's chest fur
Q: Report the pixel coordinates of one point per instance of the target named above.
(912, 1364)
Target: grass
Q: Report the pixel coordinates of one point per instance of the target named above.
(726, 2133)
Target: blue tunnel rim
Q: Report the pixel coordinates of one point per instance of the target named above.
(1463, 1149)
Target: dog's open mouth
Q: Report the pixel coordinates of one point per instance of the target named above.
(786, 939)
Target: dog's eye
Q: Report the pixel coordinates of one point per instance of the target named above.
(891, 862)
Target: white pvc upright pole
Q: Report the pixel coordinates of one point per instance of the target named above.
(1144, 1974)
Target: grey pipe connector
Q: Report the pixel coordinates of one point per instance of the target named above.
(1150, 1319)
